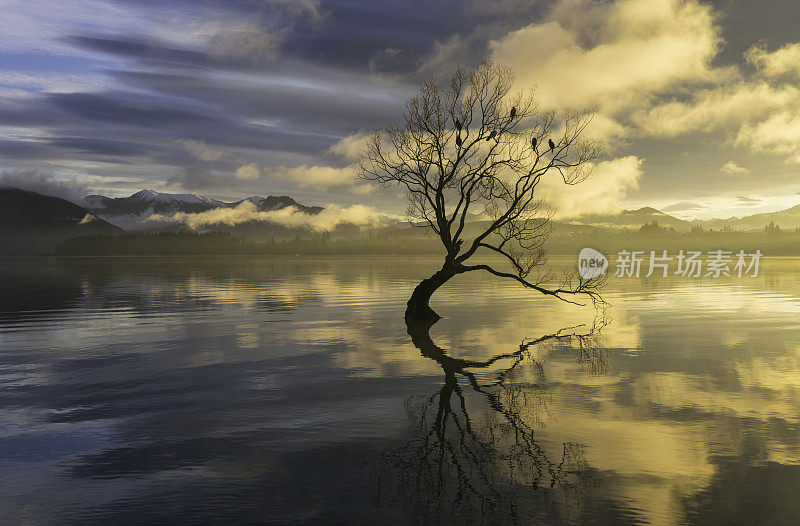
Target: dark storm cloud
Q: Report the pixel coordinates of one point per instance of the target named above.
(132, 125)
(23, 150)
(393, 35)
(323, 105)
(98, 146)
(200, 177)
(28, 112)
(356, 32)
(144, 50)
(130, 109)
(268, 77)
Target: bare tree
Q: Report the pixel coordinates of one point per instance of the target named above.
(480, 147)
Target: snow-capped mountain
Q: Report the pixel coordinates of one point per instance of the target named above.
(128, 211)
(147, 202)
(151, 196)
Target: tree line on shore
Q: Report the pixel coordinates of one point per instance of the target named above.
(772, 240)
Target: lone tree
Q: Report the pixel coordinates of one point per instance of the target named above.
(478, 147)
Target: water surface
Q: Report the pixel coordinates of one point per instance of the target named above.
(287, 391)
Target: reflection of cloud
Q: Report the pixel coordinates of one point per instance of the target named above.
(684, 391)
(780, 374)
(697, 370)
(325, 221)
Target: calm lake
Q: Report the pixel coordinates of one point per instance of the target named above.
(288, 391)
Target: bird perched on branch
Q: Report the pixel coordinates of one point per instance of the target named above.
(458, 141)
(513, 112)
(533, 143)
(551, 144)
(491, 135)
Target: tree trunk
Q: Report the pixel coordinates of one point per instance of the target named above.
(418, 310)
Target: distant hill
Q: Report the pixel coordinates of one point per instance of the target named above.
(789, 218)
(131, 212)
(631, 219)
(32, 223)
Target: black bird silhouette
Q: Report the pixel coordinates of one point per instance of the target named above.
(533, 143)
(491, 135)
(458, 125)
(551, 144)
(458, 140)
(513, 112)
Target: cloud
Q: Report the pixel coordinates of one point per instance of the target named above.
(247, 41)
(613, 55)
(776, 63)
(682, 206)
(45, 183)
(392, 61)
(201, 150)
(279, 82)
(725, 107)
(328, 219)
(760, 114)
(779, 134)
(311, 9)
(195, 177)
(362, 189)
(349, 148)
(731, 168)
(248, 172)
(746, 200)
(318, 177)
(601, 193)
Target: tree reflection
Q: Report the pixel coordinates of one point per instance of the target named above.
(474, 455)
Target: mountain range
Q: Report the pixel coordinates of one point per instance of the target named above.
(789, 218)
(633, 219)
(128, 211)
(32, 223)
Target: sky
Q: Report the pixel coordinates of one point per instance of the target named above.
(697, 104)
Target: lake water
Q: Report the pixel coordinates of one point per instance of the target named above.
(287, 391)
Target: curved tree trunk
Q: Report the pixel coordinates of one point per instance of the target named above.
(418, 309)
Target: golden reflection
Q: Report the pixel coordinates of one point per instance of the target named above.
(475, 454)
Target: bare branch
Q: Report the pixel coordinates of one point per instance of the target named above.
(478, 149)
